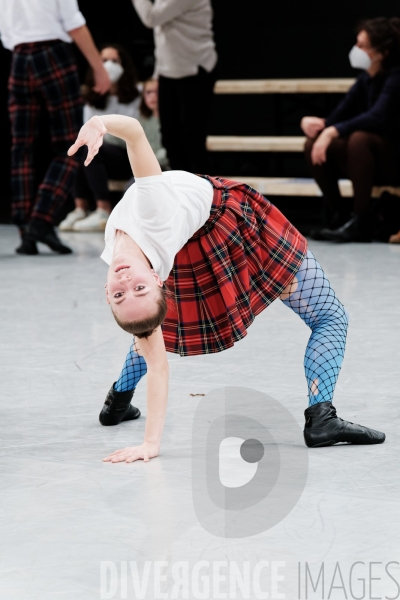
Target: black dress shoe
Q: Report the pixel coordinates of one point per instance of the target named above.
(357, 229)
(324, 428)
(117, 407)
(39, 230)
(338, 219)
(27, 247)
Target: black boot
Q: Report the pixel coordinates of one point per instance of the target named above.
(337, 220)
(41, 231)
(26, 247)
(357, 229)
(117, 407)
(324, 428)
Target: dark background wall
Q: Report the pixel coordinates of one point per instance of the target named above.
(255, 39)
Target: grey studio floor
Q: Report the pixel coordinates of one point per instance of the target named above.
(64, 513)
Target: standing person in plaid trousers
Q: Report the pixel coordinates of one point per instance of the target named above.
(225, 253)
(44, 73)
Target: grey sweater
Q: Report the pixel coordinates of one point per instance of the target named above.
(183, 35)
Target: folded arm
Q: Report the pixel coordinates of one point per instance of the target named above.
(381, 114)
(162, 11)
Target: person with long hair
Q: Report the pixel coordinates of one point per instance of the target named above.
(192, 261)
(361, 138)
(150, 121)
(112, 162)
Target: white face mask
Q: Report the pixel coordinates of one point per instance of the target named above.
(359, 59)
(114, 70)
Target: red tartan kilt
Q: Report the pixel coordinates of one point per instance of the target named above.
(229, 271)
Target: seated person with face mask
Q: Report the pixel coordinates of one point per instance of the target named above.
(360, 140)
(112, 160)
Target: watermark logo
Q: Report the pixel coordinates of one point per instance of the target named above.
(202, 580)
(249, 464)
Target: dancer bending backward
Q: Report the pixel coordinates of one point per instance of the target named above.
(193, 260)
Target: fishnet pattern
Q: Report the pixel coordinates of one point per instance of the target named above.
(315, 302)
(134, 369)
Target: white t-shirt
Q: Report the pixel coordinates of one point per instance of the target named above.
(24, 21)
(161, 213)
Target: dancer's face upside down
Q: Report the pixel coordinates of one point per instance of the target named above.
(133, 288)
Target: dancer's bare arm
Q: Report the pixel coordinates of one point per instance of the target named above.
(141, 156)
(153, 351)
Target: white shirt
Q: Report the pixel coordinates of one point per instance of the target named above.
(113, 107)
(24, 21)
(160, 213)
(183, 35)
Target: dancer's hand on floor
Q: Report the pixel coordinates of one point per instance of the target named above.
(90, 135)
(143, 452)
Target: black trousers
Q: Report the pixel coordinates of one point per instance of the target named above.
(110, 163)
(366, 158)
(184, 106)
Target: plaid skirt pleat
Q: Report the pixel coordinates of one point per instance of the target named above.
(229, 271)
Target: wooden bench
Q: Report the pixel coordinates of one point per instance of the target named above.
(291, 186)
(276, 186)
(271, 86)
(234, 143)
(283, 186)
(283, 86)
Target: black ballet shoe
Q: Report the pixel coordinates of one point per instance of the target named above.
(324, 428)
(27, 247)
(117, 408)
(357, 229)
(39, 230)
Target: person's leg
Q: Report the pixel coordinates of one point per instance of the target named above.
(117, 407)
(311, 296)
(24, 110)
(132, 372)
(371, 159)
(57, 80)
(196, 102)
(169, 105)
(313, 299)
(327, 176)
(368, 157)
(82, 195)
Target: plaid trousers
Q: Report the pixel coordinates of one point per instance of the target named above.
(42, 74)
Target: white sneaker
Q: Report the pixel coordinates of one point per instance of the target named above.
(76, 215)
(96, 221)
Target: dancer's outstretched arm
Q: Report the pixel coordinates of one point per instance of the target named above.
(153, 351)
(141, 156)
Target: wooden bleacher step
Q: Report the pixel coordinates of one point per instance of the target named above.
(283, 86)
(283, 186)
(292, 186)
(234, 143)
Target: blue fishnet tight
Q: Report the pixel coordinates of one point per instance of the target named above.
(134, 369)
(315, 302)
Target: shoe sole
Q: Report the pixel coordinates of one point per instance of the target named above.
(112, 421)
(321, 445)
